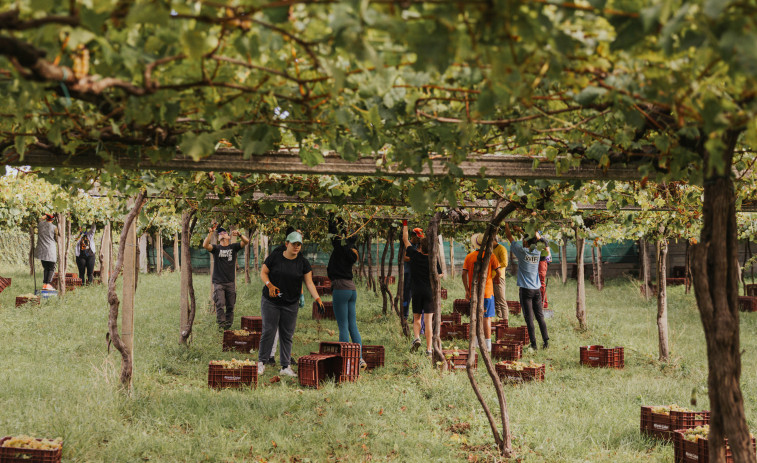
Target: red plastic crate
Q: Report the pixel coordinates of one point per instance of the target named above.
(455, 331)
(390, 280)
(241, 343)
(373, 356)
(685, 451)
(4, 283)
(678, 271)
(517, 334)
(526, 374)
(444, 293)
(315, 368)
(505, 350)
(329, 306)
(503, 322)
(514, 307)
(457, 359)
(220, 377)
(321, 281)
(599, 356)
(250, 323)
(14, 455)
(661, 426)
(748, 303)
(751, 290)
(349, 353)
(453, 317)
(323, 290)
(461, 306)
(20, 300)
(675, 281)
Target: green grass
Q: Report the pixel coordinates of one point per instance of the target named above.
(58, 380)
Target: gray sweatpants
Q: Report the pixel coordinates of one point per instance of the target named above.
(283, 318)
(225, 297)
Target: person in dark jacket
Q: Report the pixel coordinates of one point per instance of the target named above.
(344, 292)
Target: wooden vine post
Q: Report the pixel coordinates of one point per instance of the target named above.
(176, 260)
(31, 250)
(564, 260)
(62, 254)
(662, 298)
(123, 341)
(436, 290)
(158, 243)
(580, 284)
(398, 299)
(452, 258)
(106, 253)
(186, 300)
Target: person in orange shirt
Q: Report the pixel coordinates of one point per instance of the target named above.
(493, 271)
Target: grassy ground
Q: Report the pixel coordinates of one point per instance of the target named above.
(58, 380)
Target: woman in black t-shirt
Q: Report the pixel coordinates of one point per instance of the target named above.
(283, 275)
(422, 299)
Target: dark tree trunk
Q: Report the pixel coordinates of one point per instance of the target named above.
(390, 245)
(594, 266)
(751, 267)
(186, 307)
(247, 248)
(400, 291)
(382, 279)
(564, 260)
(662, 299)
(503, 441)
(600, 278)
(645, 273)
(31, 250)
(436, 290)
(580, 284)
(371, 279)
(113, 301)
(687, 268)
(715, 270)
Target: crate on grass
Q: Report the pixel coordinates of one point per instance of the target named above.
(444, 293)
(454, 331)
(600, 356)
(232, 373)
(660, 421)
(461, 306)
(453, 317)
(503, 322)
(323, 289)
(675, 281)
(512, 370)
(748, 303)
(691, 446)
(321, 281)
(678, 271)
(517, 334)
(458, 358)
(315, 368)
(27, 299)
(4, 283)
(348, 353)
(251, 323)
(390, 280)
(505, 350)
(329, 306)
(241, 340)
(13, 450)
(514, 307)
(373, 356)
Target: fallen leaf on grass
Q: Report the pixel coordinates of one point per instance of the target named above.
(275, 379)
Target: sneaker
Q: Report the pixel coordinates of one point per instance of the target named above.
(48, 287)
(416, 345)
(261, 368)
(545, 345)
(287, 372)
(363, 365)
(429, 353)
(533, 346)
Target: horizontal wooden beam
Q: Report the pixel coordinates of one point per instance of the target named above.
(289, 162)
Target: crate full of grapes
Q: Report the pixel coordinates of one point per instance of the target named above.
(691, 445)
(251, 323)
(27, 299)
(517, 334)
(512, 370)
(232, 373)
(600, 356)
(241, 340)
(659, 421)
(505, 350)
(25, 449)
(458, 358)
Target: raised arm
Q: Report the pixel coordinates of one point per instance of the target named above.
(405, 239)
(508, 235)
(244, 239)
(206, 244)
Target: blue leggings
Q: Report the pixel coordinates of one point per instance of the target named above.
(344, 311)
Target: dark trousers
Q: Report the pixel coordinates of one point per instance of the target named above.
(283, 318)
(49, 271)
(407, 295)
(225, 296)
(85, 263)
(530, 304)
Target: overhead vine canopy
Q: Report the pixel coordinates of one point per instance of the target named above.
(609, 82)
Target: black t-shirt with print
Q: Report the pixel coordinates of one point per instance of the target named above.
(224, 262)
(287, 275)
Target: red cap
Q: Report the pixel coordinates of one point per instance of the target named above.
(418, 232)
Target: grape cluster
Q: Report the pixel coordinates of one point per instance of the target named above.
(28, 442)
(693, 434)
(666, 409)
(233, 363)
(520, 366)
(241, 332)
